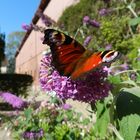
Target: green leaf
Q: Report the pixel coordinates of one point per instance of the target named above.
(48, 136)
(134, 21)
(128, 102)
(101, 125)
(86, 121)
(100, 107)
(129, 126)
(114, 79)
(28, 113)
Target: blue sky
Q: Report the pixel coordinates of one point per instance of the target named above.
(13, 13)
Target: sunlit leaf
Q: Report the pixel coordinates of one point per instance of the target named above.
(114, 79)
(133, 90)
(128, 102)
(134, 21)
(129, 125)
(101, 125)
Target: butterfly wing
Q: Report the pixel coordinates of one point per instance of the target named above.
(70, 58)
(89, 63)
(65, 51)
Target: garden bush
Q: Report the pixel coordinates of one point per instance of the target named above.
(18, 84)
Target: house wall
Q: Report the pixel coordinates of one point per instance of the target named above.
(28, 59)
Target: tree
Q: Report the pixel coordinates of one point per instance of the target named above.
(2, 48)
(14, 40)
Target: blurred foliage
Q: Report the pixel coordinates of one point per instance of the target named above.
(120, 28)
(57, 123)
(13, 43)
(2, 49)
(114, 29)
(17, 84)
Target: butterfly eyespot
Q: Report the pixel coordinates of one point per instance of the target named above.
(63, 37)
(54, 33)
(110, 56)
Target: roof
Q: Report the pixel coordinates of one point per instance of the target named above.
(43, 4)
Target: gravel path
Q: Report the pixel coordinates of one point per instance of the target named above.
(4, 135)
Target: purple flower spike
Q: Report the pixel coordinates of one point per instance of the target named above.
(94, 87)
(125, 66)
(86, 20)
(91, 88)
(13, 100)
(94, 23)
(33, 134)
(87, 41)
(45, 19)
(50, 80)
(103, 12)
(26, 27)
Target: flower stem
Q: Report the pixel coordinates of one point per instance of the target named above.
(132, 10)
(81, 32)
(125, 71)
(115, 131)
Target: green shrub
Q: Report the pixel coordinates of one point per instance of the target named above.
(16, 83)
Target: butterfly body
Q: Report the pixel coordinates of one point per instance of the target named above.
(70, 58)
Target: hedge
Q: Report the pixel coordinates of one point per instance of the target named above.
(18, 84)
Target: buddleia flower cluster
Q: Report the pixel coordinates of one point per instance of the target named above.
(94, 86)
